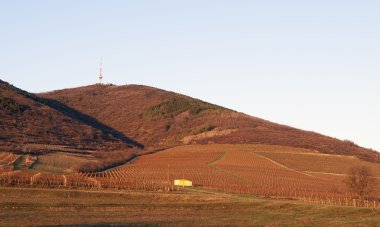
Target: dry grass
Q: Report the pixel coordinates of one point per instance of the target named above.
(44, 207)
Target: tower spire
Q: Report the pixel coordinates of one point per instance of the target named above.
(100, 70)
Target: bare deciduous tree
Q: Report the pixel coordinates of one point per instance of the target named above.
(360, 182)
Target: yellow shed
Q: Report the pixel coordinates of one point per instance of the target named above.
(183, 182)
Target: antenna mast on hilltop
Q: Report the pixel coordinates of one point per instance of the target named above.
(100, 70)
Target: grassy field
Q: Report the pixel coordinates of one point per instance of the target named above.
(54, 207)
(60, 163)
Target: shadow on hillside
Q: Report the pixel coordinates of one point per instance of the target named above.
(75, 114)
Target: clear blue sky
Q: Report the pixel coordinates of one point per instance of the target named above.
(314, 65)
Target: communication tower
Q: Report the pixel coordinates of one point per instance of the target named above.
(100, 71)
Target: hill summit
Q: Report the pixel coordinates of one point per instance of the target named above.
(157, 118)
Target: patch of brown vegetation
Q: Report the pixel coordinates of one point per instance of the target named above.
(106, 160)
(207, 135)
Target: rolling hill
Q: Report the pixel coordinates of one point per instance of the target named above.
(28, 120)
(86, 131)
(157, 119)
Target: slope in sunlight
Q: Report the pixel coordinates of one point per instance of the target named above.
(158, 118)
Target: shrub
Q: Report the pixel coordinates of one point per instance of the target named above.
(11, 105)
(175, 106)
(360, 182)
(202, 129)
(167, 127)
(350, 143)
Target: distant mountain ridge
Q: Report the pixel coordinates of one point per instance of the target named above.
(156, 118)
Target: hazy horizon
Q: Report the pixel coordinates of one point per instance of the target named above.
(313, 66)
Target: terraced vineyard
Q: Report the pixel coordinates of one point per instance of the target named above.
(316, 162)
(249, 169)
(158, 171)
(227, 168)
